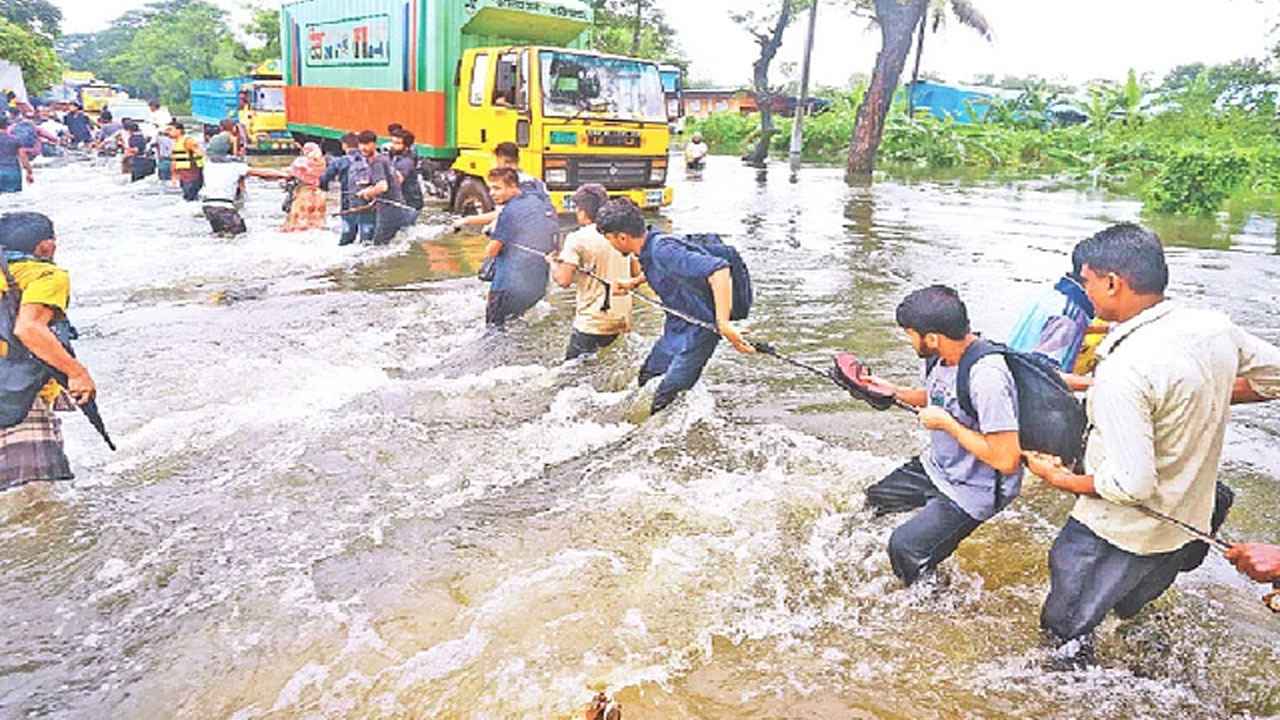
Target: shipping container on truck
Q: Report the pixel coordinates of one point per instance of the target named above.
(466, 75)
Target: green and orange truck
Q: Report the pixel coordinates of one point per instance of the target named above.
(466, 75)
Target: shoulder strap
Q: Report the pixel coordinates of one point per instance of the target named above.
(979, 349)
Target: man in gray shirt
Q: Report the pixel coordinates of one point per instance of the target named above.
(973, 468)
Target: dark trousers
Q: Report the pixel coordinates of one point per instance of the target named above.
(360, 225)
(932, 533)
(224, 219)
(1089, 577)
(680, 370)
(191, 188)
(164, 169)
(504, 305)
(139, 170)
(581, 343)
(389, 221)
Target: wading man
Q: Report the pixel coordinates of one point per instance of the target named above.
(32, 449)
(973, 467)
(594, 326)
(520, 276)
(347, 169)
(694, 283)
(1158, 414)
(379, 190)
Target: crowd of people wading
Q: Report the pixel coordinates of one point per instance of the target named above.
(1141, 456)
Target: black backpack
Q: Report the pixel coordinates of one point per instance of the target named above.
(22, 375)
(1050, 418)
(711, 244)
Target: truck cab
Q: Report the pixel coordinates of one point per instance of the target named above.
(578, 117)
(261, 114)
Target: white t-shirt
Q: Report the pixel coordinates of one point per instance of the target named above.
(222, 180)
(587, 248)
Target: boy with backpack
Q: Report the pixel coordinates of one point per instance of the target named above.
(690, 279)
(973, 468)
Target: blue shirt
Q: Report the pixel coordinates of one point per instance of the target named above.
(679, 275)
(530, 221)
(1055, 324)
(78, 126)
(339, 169)
(9, 146)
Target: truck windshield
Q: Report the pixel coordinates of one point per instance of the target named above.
(585, 85)
(268, 99)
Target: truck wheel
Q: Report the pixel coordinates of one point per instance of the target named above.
(472, 198)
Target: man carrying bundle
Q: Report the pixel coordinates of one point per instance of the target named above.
(36, 293)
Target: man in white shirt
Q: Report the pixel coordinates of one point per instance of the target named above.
(223, 191)
(601, 317)
(160, 115)
(1158, 412)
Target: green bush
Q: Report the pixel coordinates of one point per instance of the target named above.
(1198, 180)
(1188, 160)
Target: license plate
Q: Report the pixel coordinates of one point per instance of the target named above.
(653, 198)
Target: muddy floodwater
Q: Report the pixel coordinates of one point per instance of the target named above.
(335, 497)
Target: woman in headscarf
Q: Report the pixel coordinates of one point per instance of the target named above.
(308, 211)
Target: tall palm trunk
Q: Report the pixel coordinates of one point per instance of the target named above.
(915, 71)
(769, 44)
(635, 32)
(898, 20)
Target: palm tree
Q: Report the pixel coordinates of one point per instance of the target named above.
(938, 12)
(898, 21)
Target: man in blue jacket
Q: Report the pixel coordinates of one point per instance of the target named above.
(528, 221)
(341, 169)
(694, 283)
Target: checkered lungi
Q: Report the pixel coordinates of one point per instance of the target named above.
(32, 449)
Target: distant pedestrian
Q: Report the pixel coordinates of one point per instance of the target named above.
(14, 161)
(381, 192)
(346, 169)
(405, 160)
(188, 162)
(308, 210)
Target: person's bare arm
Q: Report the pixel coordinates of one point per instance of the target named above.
(721, 282)
(1076, 383)
(1000, 450)
(480, 219)
(493, 248)
(1260, 562)
(373, 191)
(561, 271)
(25, 161)
(32, 329)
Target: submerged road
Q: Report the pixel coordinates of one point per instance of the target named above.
(336, 498)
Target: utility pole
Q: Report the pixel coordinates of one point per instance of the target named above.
(797, 131)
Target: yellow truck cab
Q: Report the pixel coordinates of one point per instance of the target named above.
(578, 118)
(468, 75)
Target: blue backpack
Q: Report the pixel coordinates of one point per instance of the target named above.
(711, 244)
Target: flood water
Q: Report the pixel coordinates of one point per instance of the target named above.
(336, 498)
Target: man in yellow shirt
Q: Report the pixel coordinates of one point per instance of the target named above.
(32, 449)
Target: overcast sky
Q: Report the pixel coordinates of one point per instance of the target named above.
(1079, 40)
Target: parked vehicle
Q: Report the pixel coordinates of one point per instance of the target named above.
(466, 75)
(256, 102)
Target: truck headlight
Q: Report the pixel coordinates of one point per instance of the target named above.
(658, 175)
(559, 176)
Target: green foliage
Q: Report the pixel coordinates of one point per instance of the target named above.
(158, 50)
(32, 53)
(615, 30)
(264, 27)
(1189, 159)
(1197, 180)
(38, 17)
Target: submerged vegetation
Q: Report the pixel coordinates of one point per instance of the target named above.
(1206, 135)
